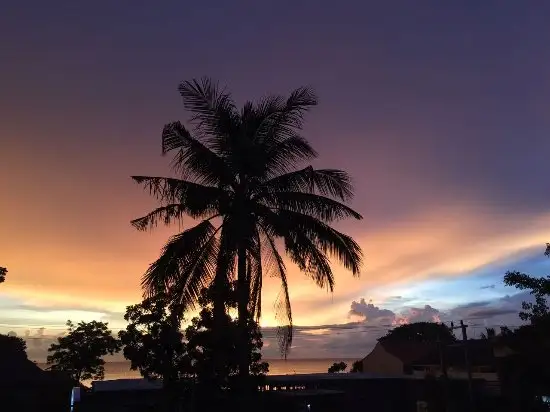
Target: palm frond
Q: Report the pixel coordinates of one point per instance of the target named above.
(187, 262)
(283, 310)
(273, 126)
(310, 259)
(284, 155)
(280, 119)
(255, 276)
(165, 214)
(327, 182)
(187, 289)
(326, 238)
(303, 250)
(213, 113)
(183, 198)
(320, 207)
(194, 160)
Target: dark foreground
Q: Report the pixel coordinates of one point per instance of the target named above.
(313, 393)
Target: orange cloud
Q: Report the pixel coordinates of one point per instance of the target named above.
(68, 269)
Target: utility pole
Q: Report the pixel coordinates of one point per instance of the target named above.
(467, 361)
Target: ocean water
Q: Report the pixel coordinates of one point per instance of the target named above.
(121, 370)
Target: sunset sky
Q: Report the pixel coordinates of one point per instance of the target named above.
(439, 111)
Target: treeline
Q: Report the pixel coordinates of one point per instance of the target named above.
(158, 348)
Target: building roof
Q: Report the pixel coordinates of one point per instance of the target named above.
(18, 370)
(312, 377)
(408, 351)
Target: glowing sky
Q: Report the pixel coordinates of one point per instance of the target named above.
(439, 112)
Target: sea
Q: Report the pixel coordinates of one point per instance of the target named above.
(121, 370)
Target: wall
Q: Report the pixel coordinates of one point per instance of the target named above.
(381, 361)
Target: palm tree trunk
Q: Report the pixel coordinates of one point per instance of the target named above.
(242, 306)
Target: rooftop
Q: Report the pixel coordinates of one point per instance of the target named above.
(329, 376)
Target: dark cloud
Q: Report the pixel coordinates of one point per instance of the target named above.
(504, 309)
(491, 313)
(488, 287)
(470, 305)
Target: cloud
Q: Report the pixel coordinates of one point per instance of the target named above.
(501, 310)
(356, 339)
(369, 312)
(352, 339)
(487, 287)
(424, 314)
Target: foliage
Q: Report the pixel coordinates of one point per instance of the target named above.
(203, 343)
(356, 367)
(153, 341)
(80, 352)
(237, 174)
(525, 373)
(505, 331)
(539, 287)
(12, 346)
(420, 332)
(490, 333)
(3, 273)
(337, 367)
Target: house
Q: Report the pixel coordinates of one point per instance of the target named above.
(395, 358)
(28, 388)
(425, 358)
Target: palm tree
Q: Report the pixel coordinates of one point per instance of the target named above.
(238, 178)
(3, 273)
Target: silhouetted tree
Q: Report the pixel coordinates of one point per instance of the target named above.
(3, 273)
(420, 332)
(80, 353)
(337, 367)
(153, 341)
(525, 372)
(11, 345)
(237, 174)
(201, 346)
(505, 331)
(356, 367)
(539, 287)
(489, 333)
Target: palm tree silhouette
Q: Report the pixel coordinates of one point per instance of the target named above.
(238, 176)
